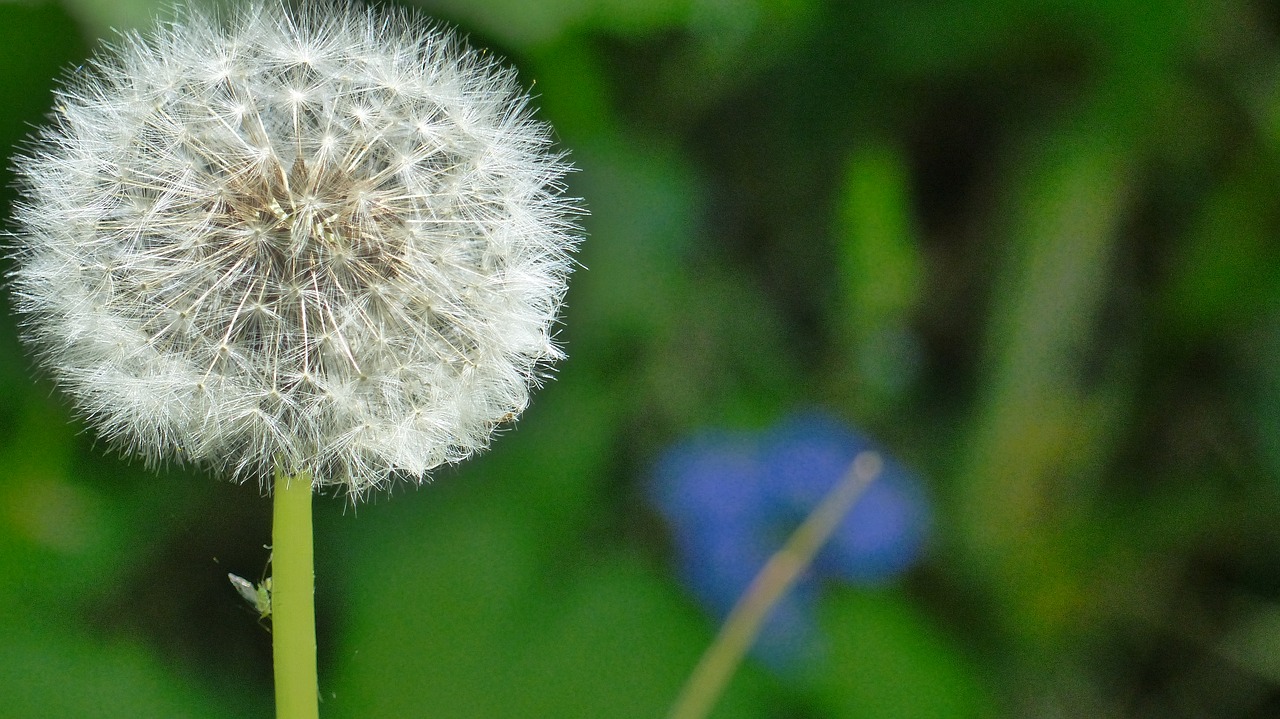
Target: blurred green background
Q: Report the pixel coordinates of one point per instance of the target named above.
(1032, 247)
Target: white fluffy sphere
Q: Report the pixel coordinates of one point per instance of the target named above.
(330, 240)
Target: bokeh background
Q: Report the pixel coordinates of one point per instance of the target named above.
(1031, 250)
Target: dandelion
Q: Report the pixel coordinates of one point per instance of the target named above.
(329, 241)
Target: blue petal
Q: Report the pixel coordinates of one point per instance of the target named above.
(882, 535)
(803, 458)
(713, 477)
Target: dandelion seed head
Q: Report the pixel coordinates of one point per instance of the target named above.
(331, 239)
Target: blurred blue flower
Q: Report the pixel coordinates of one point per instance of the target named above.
(732, 499)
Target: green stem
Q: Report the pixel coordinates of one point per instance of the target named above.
(779, 574)
(293, 607)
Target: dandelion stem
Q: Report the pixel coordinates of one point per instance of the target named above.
(293, 609)
(718, 663)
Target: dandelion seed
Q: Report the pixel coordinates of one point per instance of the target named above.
(331, 240)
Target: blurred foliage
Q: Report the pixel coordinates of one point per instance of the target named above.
(1032, 246)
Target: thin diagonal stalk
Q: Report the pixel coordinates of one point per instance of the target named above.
(779, 575)
(293, 607)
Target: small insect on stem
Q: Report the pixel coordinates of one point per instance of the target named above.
(257, 595)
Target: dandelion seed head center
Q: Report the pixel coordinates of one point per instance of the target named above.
(308, 215)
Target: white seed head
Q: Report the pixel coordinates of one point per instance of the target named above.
(330, 240)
